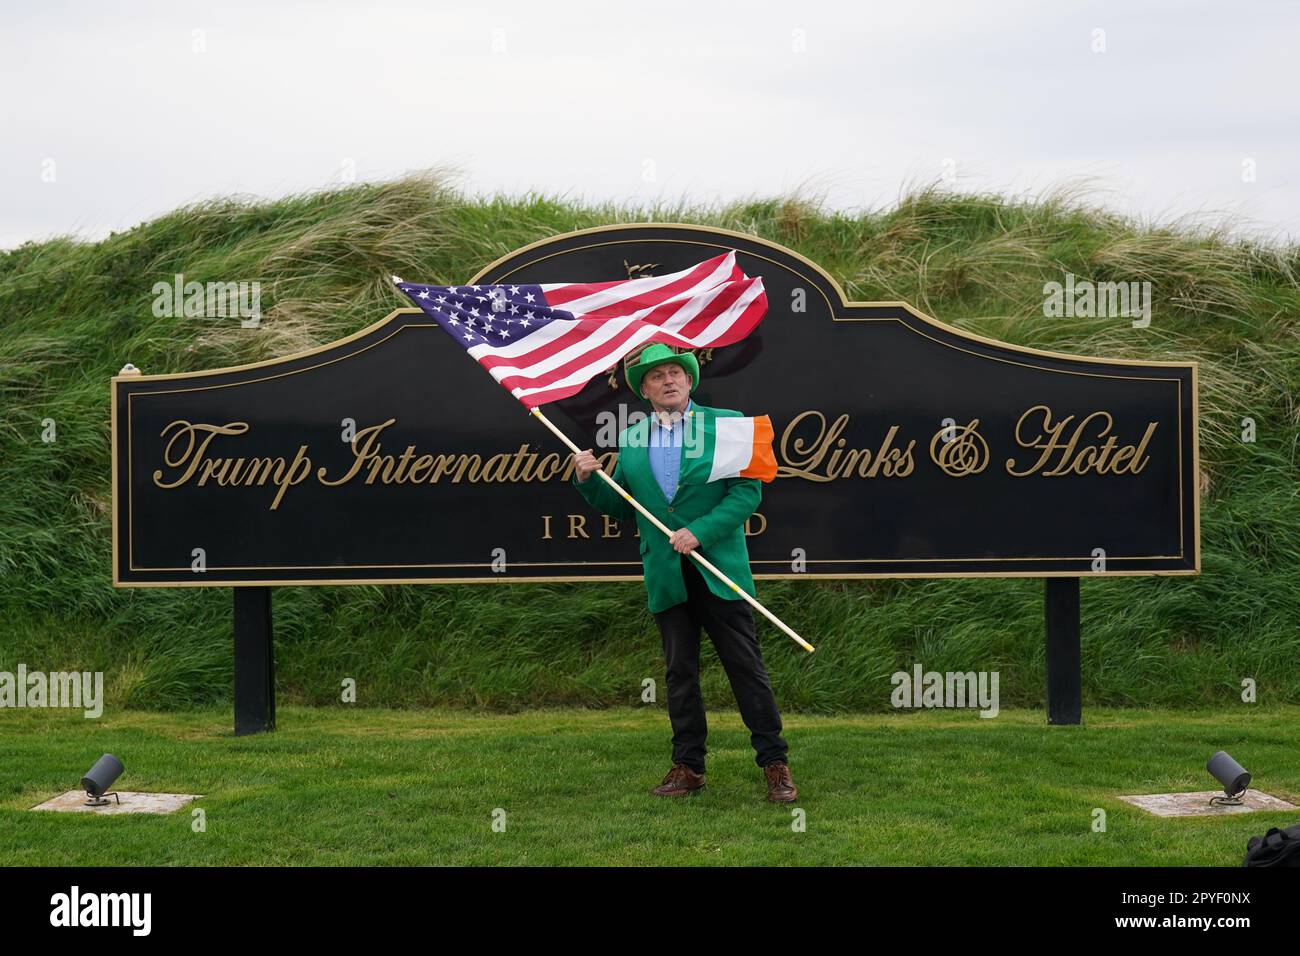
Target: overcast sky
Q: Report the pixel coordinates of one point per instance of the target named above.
(115, 113)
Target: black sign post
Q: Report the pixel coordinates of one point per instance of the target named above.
(254, 662)
(906, 448)
(1064, 673)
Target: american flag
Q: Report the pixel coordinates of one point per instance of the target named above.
(545, 342)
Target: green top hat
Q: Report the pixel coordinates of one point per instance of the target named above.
(656, 354)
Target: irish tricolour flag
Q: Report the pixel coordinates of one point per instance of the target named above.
(742, 448)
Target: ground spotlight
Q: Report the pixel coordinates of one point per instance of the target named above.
(1234, 777)
(99, 778)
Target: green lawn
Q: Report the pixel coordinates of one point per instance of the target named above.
(365, 786)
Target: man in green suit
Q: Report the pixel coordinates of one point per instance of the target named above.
(663, 464)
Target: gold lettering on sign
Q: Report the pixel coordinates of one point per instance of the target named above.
(548, 467)
(1076, 458)
(805, 458)
(761, 527)
(363, 447)
(809, 447)
(964, 453)
(191, 457)
(643, 269)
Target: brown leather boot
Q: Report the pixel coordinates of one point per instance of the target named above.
(780, 787)
(679, 782)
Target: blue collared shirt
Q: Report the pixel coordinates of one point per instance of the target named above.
(665, 453)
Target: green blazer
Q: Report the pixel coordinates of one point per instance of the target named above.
(715, 512)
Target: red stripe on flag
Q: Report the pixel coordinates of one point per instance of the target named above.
(584, 328)
(608, 353)
(556, 297)
(751, 316)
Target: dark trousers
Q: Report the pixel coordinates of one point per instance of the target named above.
(730, 625)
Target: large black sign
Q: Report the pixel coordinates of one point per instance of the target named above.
(906, 448)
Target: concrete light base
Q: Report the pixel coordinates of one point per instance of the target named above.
(1198, 804)
(74, 801)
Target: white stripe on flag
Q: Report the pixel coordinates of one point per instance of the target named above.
(733, 446)
(630, 288)
(689, 310)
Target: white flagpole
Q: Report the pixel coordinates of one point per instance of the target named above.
(536, 412)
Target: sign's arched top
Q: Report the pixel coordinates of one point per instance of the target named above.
(704, 241)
